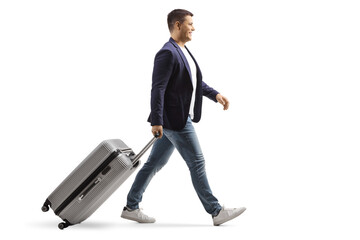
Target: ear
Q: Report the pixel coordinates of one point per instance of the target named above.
(177, 25)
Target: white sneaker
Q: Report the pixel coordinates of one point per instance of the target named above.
(136, 215)
(227, 214)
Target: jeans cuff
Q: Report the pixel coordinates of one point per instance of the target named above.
(131, 208)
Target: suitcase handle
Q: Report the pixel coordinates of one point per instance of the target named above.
(137, 157)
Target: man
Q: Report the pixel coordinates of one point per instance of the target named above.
(176, 100)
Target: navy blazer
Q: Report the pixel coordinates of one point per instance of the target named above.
(172, 88)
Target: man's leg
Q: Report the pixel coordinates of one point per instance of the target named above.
(159, 156)
(186, 142)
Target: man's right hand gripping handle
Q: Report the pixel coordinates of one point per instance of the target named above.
(157, 129)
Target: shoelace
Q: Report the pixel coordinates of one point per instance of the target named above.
(142, 215)
(227, 209)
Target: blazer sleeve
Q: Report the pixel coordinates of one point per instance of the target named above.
(209, 92)
(163, 66)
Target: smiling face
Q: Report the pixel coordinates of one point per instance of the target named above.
(182, 32)
(186, 29)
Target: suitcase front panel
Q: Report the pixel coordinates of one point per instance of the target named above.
(93, 181)
(99, 190)
(83, 171)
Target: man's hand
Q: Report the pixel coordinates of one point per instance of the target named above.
(223, 101)
(157, 129)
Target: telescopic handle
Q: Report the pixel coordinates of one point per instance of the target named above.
(139, 155)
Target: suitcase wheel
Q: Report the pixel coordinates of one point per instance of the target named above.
(46, 205)
(63, 225)
(45, 208)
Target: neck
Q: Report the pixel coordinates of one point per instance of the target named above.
(180, 42)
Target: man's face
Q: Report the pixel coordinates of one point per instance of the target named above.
(186, 29)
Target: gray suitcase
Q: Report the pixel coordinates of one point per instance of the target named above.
(93, 181)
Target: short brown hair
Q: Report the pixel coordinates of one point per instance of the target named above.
(177, 15)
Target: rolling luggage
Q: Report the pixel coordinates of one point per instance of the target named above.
(93, 181)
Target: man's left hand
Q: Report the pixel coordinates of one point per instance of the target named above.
(223, 101)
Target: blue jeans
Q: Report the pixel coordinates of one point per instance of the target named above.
(186, 142)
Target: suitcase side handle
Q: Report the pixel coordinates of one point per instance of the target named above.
(137, 157)
(125, 150)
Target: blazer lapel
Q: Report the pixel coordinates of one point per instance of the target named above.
(196, 64)
(182, 57)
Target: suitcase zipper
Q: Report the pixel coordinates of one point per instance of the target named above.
(89, 188)
(87, 181)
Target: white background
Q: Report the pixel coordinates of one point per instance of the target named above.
(74, 73)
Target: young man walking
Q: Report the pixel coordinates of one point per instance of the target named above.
(176, 100)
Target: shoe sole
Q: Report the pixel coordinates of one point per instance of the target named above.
(231, 218)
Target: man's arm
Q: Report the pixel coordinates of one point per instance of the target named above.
(209, 92)
(215, 95)
(163, 66)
